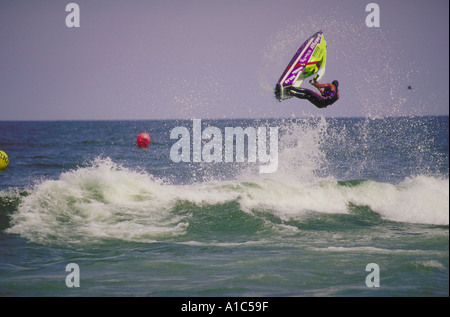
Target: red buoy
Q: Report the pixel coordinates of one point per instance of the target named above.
(143, 139)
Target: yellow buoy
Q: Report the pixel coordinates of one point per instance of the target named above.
(3, 160)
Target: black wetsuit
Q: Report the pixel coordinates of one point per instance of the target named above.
(319, 101)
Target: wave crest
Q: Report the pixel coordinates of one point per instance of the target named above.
(109, 201)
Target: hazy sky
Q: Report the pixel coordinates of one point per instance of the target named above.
(146, 59)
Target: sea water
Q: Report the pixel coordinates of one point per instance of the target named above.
(349, 195)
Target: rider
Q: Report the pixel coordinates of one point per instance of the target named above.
(328, 96)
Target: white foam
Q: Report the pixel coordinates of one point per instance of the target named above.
(432, 264)
(420, 199)
(103, 200)
(373, 250)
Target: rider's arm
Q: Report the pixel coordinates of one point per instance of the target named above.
(317, 85)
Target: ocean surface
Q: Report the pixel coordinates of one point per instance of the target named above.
(356, 207)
